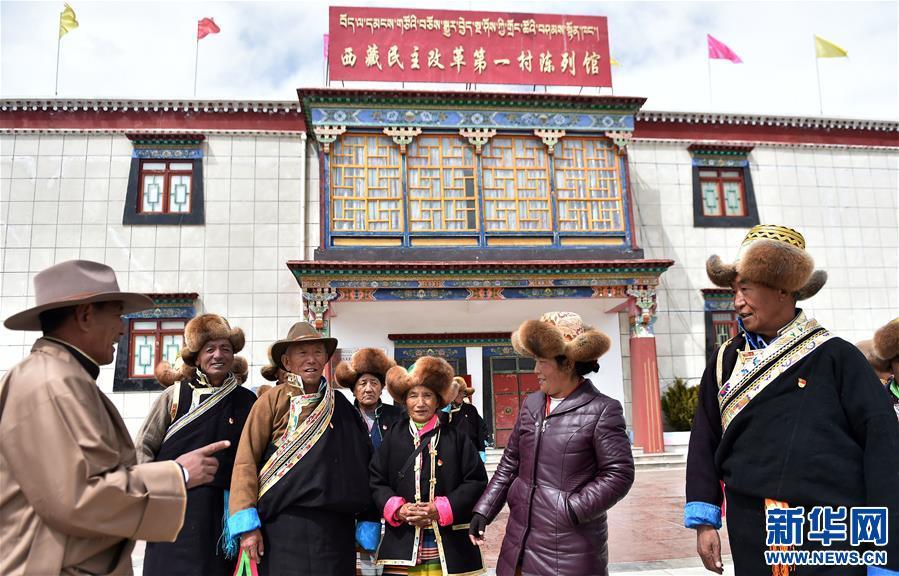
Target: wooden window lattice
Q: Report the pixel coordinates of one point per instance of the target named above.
(588, 186)
(441, 184)
(365, 185)
(516, 185)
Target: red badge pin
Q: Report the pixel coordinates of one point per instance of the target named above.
(802, 383)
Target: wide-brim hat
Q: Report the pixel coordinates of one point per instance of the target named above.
(774, 256)
(886, 341)
(205, 327)
(300, 333)
(433, 373)
(72, 283)
(364, 361)
(560, 334)
(463, 385)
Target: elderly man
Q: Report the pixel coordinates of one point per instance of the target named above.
(72, 496)
(790, 418)
(302, 457)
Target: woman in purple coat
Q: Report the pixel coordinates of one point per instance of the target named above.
(567, 462)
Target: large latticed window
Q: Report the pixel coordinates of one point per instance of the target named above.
(366, 194)
(165, 187)
(441, 185)
(516, 185)
(722, 192)
(588, 186)
(153, 341)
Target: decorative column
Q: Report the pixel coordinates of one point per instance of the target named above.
(646, 401)
(327, 135)
(316, 305)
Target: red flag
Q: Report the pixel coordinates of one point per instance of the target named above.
(205, 27)
(719, 50)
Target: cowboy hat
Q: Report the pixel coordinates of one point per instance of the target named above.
(774, 256)
(300, 333)
(72, 283)
(560, 334)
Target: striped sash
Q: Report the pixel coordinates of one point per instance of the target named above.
(297, 441)
(198, 409)
(756, 369)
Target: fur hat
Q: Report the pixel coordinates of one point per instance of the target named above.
(560, 334)
(166, 374)
(269, 372)
(263, 388)
(867, 348)
(463, 385)
(774, 256)
(886, 341)
(428, 371)
(364, 361)
(204, 328)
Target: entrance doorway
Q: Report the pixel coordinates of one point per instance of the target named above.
(512, 379)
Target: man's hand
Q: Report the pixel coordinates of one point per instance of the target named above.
(200, 464)
(251, 543)
(708, 545)
(476, 529)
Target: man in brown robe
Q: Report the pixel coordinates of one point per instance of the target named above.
(72, 497)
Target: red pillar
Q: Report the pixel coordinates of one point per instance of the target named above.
(646, 403)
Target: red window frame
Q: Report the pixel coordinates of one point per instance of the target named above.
(730, 324)
(719, 181)
(166, 174)
(159, 332)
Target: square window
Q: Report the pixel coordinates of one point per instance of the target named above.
(151, 342)
(723, 197)
(165, 187)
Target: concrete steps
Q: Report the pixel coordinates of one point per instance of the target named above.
(673, 457)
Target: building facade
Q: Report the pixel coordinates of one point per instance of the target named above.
(434, 223)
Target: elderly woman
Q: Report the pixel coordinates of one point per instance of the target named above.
(425, 479)
(567, 462)
(464, 417)
(364, 375)
(203, 402)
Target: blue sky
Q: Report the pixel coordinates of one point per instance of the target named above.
(267, 49)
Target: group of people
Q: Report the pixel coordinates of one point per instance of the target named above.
(299, 480)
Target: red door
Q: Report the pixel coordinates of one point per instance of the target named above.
(509, 391)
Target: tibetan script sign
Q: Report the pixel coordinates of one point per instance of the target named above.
(417, 45)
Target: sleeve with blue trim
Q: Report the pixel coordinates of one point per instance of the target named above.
(698, 514)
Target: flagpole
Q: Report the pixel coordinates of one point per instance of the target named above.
(708, 60)
(196, 58)
(56, 87)
(818, 76)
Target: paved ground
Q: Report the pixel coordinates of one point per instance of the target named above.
(646, 533)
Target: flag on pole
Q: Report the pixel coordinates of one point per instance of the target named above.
(614, 62)
(205, 27)
(718, 50)
(826, 49)
(326, 41)
(67, 21)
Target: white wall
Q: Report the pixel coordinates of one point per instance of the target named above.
(360, 324)
(844, 201)
(62, 197)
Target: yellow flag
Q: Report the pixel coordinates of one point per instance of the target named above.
(67, 21)
(614, 62)
(825, 49)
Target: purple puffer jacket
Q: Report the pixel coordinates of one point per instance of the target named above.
(560, 475)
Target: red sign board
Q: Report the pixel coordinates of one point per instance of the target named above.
(417, 45)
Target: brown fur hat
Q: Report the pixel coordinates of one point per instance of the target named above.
(428, 371)
(560, 334)
(364, 361)
(269, 372)
(166, 374)
(463, 385)
(774, 256)
(867, 348)
(263, 388)
(886, 341)
(204, 328)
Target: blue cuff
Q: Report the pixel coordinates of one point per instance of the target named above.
(243, 521)
(881, 571)
(483, 456)
(702, 514)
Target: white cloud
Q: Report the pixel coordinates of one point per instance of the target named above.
(268, 49)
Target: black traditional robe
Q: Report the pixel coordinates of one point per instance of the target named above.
(196, 550)
(822, 433)
(460, 477)
(469, 423)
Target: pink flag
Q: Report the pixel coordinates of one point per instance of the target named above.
(719, 50)
(326, 39)
(205, 27)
